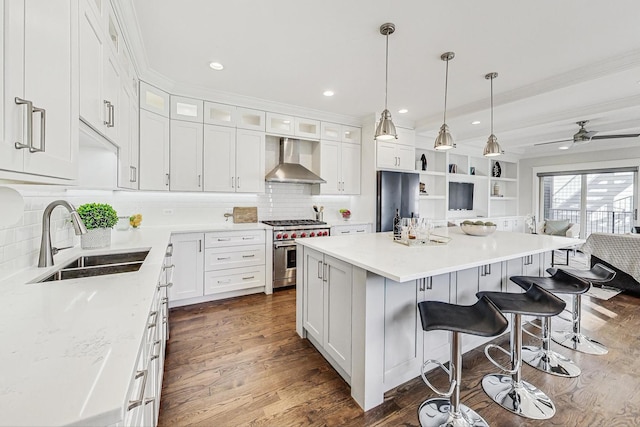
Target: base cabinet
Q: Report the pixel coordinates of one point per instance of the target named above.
(188, 258)
(327, 301)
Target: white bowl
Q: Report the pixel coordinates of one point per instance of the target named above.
(478, 230)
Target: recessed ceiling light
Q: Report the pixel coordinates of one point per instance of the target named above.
(328, 93)
(216, 66)
(563, 147)
(475, 122)
(403, 111)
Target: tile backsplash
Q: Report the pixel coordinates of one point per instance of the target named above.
(20, 242)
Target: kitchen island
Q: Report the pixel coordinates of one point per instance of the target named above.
(357, 297)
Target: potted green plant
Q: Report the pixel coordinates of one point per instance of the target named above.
(99, 219)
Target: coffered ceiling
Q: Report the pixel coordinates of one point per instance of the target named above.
(558, 61)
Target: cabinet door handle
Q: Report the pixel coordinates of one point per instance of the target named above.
(360, 231)
(345, 232)
(137, 402)
(224, 281)
(199, 180)
(166, 267)
(398, 161)
(237, 182)
(249, 238)
(233, 183)
(29, 120)
(422, 284)
(166, 179)
(43, 128)
(324, 273)
(166, 285)
(135, 174)
(199, 245)
(429, 283)
(319, 269)
(112, 115)
(109, 113)
(223, 240)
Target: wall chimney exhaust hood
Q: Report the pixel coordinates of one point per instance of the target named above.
(289, 168)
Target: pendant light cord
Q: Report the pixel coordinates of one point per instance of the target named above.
(386, 70)
(446, 85)
(491, 105)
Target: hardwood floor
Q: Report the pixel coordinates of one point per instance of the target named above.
(239, 362)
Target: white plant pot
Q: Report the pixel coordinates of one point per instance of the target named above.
(96, 238)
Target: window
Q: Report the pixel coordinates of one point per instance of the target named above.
(599, 201)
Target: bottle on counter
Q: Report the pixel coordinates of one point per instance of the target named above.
(397, 230)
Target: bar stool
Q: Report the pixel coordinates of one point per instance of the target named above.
(509, 390)
(543, 358)
(574, 338)
(481, 318)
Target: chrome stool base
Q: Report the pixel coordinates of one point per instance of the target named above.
(579, 342)
(550, 362)
(522, 399)
(436, 413)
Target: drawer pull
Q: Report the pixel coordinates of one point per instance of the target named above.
(248, 278)
(360, 231)
(248, 256)
(249, 238)
(221, 258)
(138, 401)
(223, 240)
(224, 281)
(345, 232)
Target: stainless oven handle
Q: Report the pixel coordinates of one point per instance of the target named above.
(283, 245)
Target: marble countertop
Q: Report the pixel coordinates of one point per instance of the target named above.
(378, 253)
(69, 347)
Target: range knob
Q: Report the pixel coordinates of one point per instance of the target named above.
(303, 234)
(293, 235)
(313, 234)
(285, 236)
(278, 236)
(325, 233)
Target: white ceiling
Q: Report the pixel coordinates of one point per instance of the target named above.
(558, 61)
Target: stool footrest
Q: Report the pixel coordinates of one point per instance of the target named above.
(498, 365)
(452, 386)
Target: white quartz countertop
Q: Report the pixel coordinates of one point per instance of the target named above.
(378, 253)
(69, 348)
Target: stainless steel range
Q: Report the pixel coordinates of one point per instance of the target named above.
(284, 247)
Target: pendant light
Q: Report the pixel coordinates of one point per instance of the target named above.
(444, 141)
(386, 130)
(492, 148)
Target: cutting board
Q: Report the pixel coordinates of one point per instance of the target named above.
(244, 215)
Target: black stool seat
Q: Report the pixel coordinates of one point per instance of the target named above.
(482, 318)
(535, 301)
(597, 274)
(559, 283)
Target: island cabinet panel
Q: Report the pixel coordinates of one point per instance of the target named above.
(528, 265)
(327, 306)
(436, 343)
(402, 330)
(491, 278)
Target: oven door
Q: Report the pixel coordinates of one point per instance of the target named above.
(284, 264)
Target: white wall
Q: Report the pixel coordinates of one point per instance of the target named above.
(20, 242)
(593, 159)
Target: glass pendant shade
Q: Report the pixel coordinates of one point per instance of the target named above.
(492, 148)
(444, 140)
(386, 130)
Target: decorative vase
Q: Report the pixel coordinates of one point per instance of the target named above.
(96, 238)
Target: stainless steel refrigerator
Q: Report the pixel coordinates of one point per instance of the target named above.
(396, 190)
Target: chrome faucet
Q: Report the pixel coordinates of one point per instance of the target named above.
(46, 251)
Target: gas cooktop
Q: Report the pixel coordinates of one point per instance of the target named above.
(293, 222)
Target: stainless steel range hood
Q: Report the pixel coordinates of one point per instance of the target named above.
(289, 168)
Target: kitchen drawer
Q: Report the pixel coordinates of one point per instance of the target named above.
(233, 279)
(340, 230)
(233, 238)
(233, 257)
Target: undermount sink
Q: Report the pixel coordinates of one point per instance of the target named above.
(98, 265)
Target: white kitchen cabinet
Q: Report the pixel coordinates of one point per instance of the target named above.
(340, 167)
(395, 156)
(307, 128)
(154, 100)
(250, 119)
(233, 159)
(40, 100)
(530, 265)
(220, 114)
(188, 258)
(280, 124)
(187, 109)
(234, 261)
(186, 148)
(491, 277)
(154, 151)
(327, 305)
(436, 343)
(91, 39)
(341, 230)
(128, 149)
(340, 133)
(111, 100)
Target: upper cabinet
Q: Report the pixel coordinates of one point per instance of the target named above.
(341, 133)
(220, 114)
(398, 154)
(250, 119)
(279, 124)
(40, 106)
(340, 163)
(154, 100)
(187, 109)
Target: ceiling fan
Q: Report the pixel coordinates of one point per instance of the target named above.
(584, 136)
